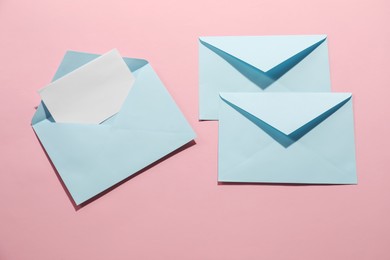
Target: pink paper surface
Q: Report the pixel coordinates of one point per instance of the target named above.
(176, 209)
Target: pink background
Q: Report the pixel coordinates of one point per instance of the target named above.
(177, 210)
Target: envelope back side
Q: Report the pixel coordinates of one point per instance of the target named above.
(293, 63)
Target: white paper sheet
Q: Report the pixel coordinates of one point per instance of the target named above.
(91, 93)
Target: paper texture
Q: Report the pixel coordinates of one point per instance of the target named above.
(91, 158)
(90, 94)
(293, 63)
(287, 138)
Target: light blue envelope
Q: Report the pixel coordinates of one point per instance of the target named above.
(91, 158)
(287, 138)
(294, 63)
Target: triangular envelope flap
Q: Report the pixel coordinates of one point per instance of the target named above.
(149, 107)
(286, 112)
(263, 52)
(40, 114)
(74, 59)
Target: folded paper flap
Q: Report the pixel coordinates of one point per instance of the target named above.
(91, 93)
(73, 60)
(287, 112)
(150, 107)
(264, 52)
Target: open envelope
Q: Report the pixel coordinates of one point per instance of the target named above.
(287, 138)
(294, 63)
(91, 158)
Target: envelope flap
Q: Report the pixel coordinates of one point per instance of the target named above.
(264, 52)
(150, 107)
(73, 60)
(287, 112)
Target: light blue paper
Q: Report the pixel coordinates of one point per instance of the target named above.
(295, 63)
(287, 138)
(92, 158)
